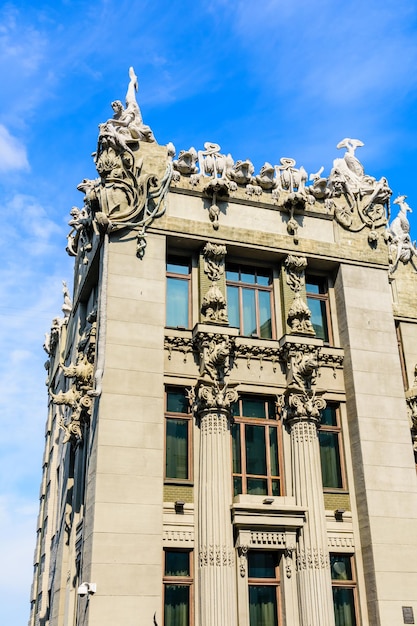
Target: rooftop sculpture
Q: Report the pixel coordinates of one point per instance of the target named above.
(129, 192)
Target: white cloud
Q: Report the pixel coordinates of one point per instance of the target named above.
(12, 152)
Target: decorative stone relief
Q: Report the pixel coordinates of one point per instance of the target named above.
(181, 344)
(216, 556)
(213, 396)
(131, 188)
(216, 167)
(411, 398)
(243, 558)
(312, 559)
(288, 554)
(67, 305)
(259, 353)
(362, 201)
(186, 163)
(215, 355)
(299, 314)
(302, 401)
(79, 396)
(213, 305)
(401, 248)
(267, 178)
(52, 338)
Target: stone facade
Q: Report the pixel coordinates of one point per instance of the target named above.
(232, 388)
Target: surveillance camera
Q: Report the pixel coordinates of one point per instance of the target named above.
(86, 588)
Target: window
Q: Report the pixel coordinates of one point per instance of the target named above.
(264, 598)
(344, 589)
(255, 447)
(178, 292)
(330, 440)
(177, 587)
(249, 294)
(177, 435)
(318, 302)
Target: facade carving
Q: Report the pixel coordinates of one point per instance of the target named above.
(299, 314)
(283, 513)
(128, 192)
(363, 201)
(213, 305)
(401, 248)
(79, 395)
(180, 344)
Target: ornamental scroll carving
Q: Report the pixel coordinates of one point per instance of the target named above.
(132, 184)
(213, 306)
(299, 314)
(79, 395)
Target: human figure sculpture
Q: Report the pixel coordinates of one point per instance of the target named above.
(126, 125)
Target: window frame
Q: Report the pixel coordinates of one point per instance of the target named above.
(267, 581)
(337, 431)
(349, 583)
(180, 581)
(268, 422)
(183, 261)
(188, 418)
(242, 268)
(322, 282)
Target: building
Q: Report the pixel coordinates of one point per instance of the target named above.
(232, 396)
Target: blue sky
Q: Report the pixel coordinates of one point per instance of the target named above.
(263, 79)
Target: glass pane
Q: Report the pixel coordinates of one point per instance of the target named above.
(262, 564)
(232, 273)
(276, 488)
(233, 306)
(255, 450)
(262, 606)
(253, 407)
(273, 450)
(249, 312)
(344, 606)
(178, 266)
(177, 302)
(247, 276)
(315, 284)
(177, 401)
(263, 277)
(328, 416)
(176, 606)
(237, 465)
(318, 318)
(257, 486)
(176, 449)
(177, 563)
(330, 460)
(341, 567)
(237, 486)
(265, 314)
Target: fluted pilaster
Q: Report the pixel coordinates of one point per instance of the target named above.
(216, 552)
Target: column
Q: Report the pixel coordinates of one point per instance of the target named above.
(212, 401)
(302, 408)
